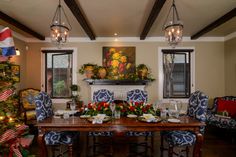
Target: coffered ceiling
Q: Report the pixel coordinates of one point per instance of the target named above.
(125, 17)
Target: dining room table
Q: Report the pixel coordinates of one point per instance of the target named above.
(118, 126)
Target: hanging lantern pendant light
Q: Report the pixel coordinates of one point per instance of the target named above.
(59, 29)
(174, 28)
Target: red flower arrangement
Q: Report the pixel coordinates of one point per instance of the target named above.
(139, 108)
(99, 107)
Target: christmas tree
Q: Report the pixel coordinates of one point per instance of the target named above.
(9, 108)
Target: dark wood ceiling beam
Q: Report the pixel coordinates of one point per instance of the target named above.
(73, 6)
(152, 17)
(215, 24)
(21, 26)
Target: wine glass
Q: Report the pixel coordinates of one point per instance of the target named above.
(72, 107)
(112, 107)
(155, 107)
(180, 106)
(173, 111)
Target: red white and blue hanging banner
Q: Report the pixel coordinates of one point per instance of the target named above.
(7, 47)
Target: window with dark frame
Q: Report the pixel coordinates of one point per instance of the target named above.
(58, 73)
(177, 73)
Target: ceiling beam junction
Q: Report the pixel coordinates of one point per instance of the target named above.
(73, 6)
(215, 24)
(152, 17)
(21, 26)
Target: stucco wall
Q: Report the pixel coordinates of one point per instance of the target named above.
(230, 67)
(20, 60)
(209, 68)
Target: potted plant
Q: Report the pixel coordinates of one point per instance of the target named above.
(75, 96)
(142, 71)
(88, 69)
(101, 72)
(74, 88)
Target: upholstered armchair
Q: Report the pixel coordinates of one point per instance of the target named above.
(218, 121)
(197, 109)
(138, 95)
(102, 95)
(27, 105)
(44, 110)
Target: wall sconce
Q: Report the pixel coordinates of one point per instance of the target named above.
(17, 52)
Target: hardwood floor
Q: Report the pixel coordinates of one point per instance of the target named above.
(217, 143)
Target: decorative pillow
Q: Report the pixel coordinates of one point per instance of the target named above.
(227, 105)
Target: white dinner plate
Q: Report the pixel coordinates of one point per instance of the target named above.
(173, 120)
(85, 116)
(131, 115)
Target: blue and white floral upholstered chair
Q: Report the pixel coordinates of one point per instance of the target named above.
(197, 109)
(138, 95)
(44, 110)
(102, 95)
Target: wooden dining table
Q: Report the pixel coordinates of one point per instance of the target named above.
(117, 126)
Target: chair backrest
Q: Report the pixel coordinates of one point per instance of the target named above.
(43, 106)
(103, 95)
(197, 108)
(137, 95)
(27, 98)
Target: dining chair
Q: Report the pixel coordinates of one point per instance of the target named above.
(138, 95)
(54, 138)
(197, 109)
(102, 95)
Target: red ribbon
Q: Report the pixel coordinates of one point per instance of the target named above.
(11, 137)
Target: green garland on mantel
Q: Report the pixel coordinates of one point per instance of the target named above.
(131, 76)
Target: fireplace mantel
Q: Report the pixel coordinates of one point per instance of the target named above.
(116, 82)
(118, 87)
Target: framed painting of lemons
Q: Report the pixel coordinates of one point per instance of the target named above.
(120, 62)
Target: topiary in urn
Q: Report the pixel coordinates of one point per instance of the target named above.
(88, 69)
(142, 71)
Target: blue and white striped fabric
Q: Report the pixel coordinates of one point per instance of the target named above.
(7, 47)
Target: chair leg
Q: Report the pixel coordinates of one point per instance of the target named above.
(70, 148)
(187, 151)
(111, 146)
(152, 145)
(94, 147)
(170, 151)
(53, 149)
(162, 146)
(87, 147)
(146, 145)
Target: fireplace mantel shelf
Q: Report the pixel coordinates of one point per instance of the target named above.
(116, 82)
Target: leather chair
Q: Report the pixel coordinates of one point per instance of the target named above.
(53, 138)
(138, 95)
(197, 109)
(102, 95)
